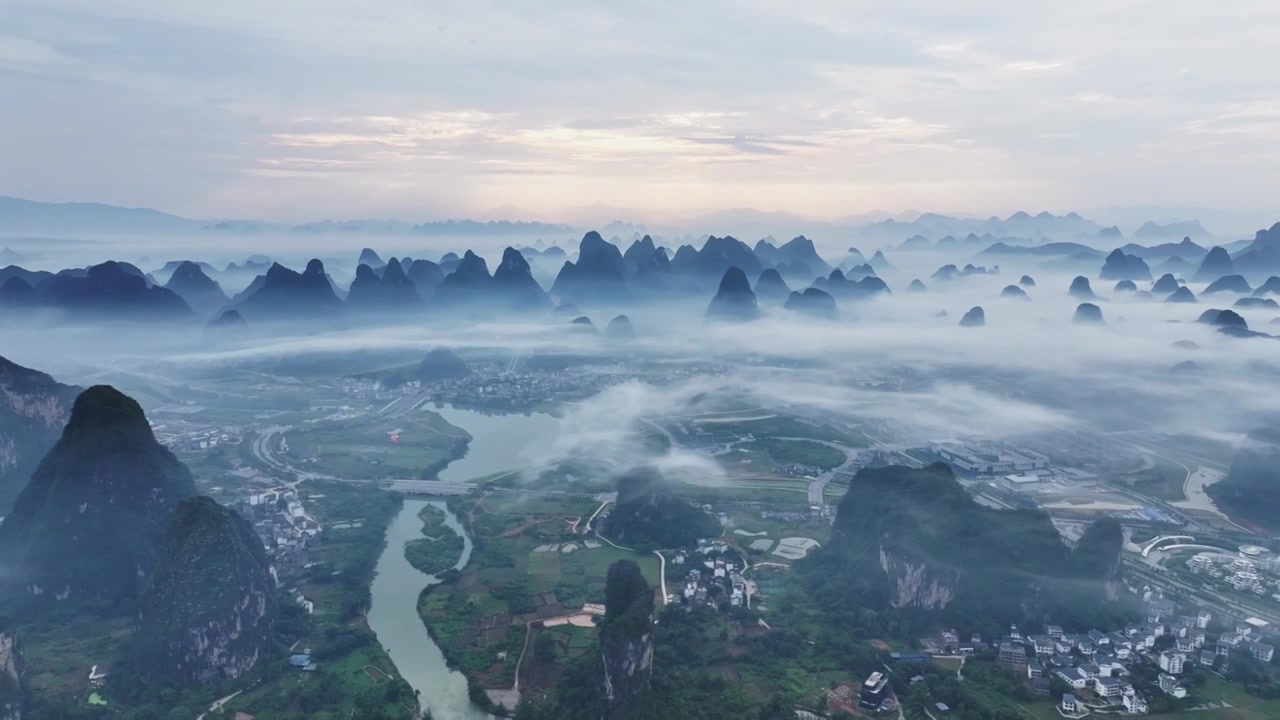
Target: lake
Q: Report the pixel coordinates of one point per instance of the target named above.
(498, 442)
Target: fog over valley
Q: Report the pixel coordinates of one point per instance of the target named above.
(742, 360)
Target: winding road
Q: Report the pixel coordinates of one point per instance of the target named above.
(818, 486)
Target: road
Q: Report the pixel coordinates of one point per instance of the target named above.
(217, 704)
(818, 486)
(662, 575)
(264, 448)
(404, 404)
(591, 520)
(662, 560)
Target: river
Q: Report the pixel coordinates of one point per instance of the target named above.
(498, 442)
(393, 616)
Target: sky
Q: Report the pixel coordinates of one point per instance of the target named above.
(304, 109)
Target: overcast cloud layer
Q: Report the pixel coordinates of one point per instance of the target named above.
(295, 109)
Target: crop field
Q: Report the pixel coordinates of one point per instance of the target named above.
(408, 447)
(528, 565)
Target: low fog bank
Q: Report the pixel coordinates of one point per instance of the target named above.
(891, 359)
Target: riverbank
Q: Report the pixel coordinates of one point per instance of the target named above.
(532, 563)
(393, 617)
(439, 548)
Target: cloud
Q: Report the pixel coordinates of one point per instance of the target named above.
(817, 107)
(608, 427)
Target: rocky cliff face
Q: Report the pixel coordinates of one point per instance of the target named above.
(628, 666)
(208, 611)
(915, 584)
(626, 643)
(13, 679)
(33, 409)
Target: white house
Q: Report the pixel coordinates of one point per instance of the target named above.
(1171, 662)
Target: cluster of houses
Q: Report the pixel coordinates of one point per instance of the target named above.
(1093, 660)
(715, 576)
(520, 389)
(1258, 574)
(1099, 662)
(180, 437)
(283, 525)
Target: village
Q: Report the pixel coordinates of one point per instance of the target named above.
(1095, 671)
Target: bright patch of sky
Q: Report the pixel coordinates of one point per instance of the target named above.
(295, 109)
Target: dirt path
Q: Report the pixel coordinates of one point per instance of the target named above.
(528, 631)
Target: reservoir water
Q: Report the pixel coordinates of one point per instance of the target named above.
(393, 617)
(498, 442)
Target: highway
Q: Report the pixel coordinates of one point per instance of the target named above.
(662, 575)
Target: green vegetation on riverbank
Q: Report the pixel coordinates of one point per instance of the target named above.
(527, 564)
(353, 674)
(440, 549)
(417, 445)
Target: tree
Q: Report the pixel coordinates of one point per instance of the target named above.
(544, 648)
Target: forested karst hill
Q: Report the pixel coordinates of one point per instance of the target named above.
(89, 525)
(207, 611)
(914, 541)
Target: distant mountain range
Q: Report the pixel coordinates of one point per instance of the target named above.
(1019, 224)
(27, 217)
(602, 276)
(18, 216)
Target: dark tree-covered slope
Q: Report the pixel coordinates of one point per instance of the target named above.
(649, 516)
(1251, 489)
(913, 540)
(89, 525)
(207, 611)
